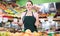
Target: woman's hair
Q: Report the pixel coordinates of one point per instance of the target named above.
(30, 1)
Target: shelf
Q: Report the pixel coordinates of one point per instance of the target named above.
(55, 19)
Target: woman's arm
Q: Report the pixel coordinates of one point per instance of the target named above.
(21, 21)
(37, 19)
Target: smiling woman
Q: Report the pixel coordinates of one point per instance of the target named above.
(29, 18)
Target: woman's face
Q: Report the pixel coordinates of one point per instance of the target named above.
(29, 6)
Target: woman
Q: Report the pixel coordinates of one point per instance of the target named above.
(30, 19)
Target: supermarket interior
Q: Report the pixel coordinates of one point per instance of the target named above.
(29, 17)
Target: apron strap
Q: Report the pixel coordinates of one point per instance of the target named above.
(24, 16)
(32, 14)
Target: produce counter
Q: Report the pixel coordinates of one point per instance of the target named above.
(28, 33)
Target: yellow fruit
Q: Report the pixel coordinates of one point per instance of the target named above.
(28, 31)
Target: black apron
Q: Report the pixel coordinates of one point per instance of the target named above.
(29, 22)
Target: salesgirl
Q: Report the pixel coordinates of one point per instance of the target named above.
(30, 19)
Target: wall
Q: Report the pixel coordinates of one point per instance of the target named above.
(23, 2)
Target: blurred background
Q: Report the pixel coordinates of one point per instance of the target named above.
(48, 13)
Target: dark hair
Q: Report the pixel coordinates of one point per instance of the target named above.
(30, 1)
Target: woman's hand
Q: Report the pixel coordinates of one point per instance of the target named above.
(20, 23)
(37, 23)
